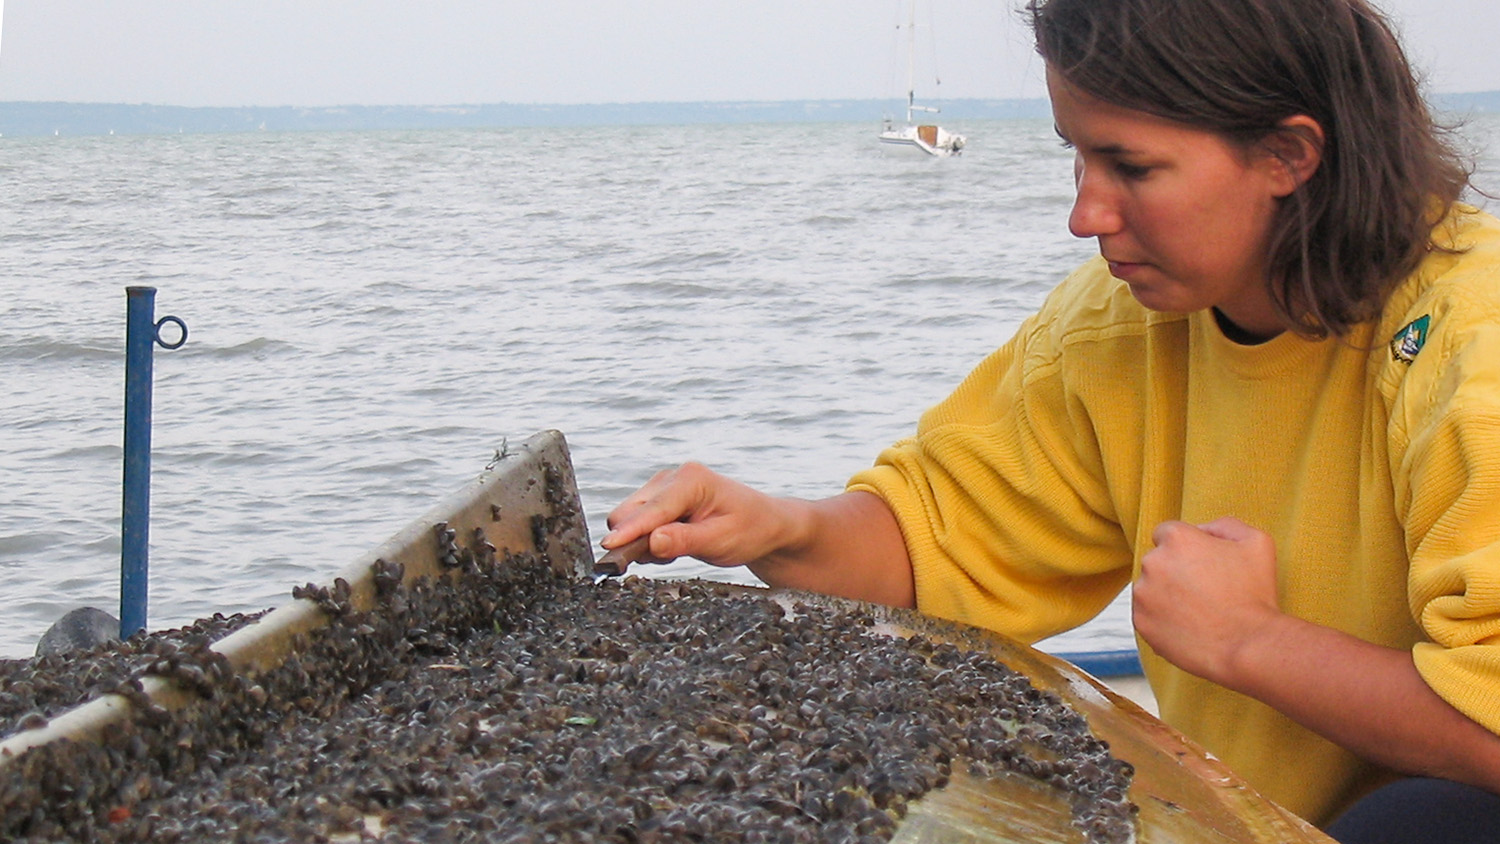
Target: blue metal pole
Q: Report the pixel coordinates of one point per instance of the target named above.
(140, 335)
(142, 332)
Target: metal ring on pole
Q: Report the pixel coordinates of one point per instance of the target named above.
(182, 326)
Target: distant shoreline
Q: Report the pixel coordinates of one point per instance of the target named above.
(23, 119)
(32, 119)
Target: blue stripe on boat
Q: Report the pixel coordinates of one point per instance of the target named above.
(1106, 663)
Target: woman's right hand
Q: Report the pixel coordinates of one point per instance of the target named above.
(848, 544)
(692, 511)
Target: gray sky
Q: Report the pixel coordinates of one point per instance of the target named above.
(434, 52)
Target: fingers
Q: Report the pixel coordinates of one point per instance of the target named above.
(1170, 532)
(636, 525)
(687, 511)
(678, 539)
(1228, 527)
(1179, 543)
(640, 498)
(1183, 537)
(670, 496)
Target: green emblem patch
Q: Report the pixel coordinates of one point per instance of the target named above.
(1409, 340)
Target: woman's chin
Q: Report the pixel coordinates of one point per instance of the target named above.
(1153, 298)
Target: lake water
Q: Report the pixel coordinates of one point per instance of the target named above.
(372, 315)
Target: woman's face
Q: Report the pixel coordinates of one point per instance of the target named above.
(1182, 215)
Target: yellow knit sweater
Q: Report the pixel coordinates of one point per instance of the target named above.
(1028, 496)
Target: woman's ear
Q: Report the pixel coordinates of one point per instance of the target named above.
(1294, 152)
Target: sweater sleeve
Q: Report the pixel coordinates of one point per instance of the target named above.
(1447, 427)
(1001, 500)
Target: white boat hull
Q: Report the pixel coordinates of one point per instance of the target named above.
(932, 140)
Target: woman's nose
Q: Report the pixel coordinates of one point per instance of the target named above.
(1095, 210)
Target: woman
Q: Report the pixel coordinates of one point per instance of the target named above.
(1272, 402)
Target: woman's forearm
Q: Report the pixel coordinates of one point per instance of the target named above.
(1366, 698)
(848, 545)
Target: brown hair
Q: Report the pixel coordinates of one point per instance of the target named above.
(1362, 222)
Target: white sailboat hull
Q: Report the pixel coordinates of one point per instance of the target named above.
(932, 140)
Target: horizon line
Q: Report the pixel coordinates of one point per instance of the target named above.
(32, 118)
(548, 104)
(542, 104)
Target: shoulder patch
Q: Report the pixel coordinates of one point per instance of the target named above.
(1409, 340)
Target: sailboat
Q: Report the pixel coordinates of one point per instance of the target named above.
(927, 137)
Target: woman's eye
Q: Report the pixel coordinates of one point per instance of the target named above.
(1132, 171)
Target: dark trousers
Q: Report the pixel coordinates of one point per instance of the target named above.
(1421, 811)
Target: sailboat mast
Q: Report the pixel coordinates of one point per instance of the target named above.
(911, 61)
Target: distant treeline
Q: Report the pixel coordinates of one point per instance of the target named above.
(19, 119)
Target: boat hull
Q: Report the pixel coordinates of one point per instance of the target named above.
(1120, 670)
(929, 139)
(529, 503)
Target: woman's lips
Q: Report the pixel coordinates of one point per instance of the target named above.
(1124, 270)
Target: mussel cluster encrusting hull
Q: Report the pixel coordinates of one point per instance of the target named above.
(512, 704)
(33, 690)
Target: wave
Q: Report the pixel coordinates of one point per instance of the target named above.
(830, 221)
(686, 260)
(54, 349)
(258, 347)
(26, 544)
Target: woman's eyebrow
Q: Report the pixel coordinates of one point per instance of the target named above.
(1104, 149)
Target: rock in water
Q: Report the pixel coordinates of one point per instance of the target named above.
(80, 630)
